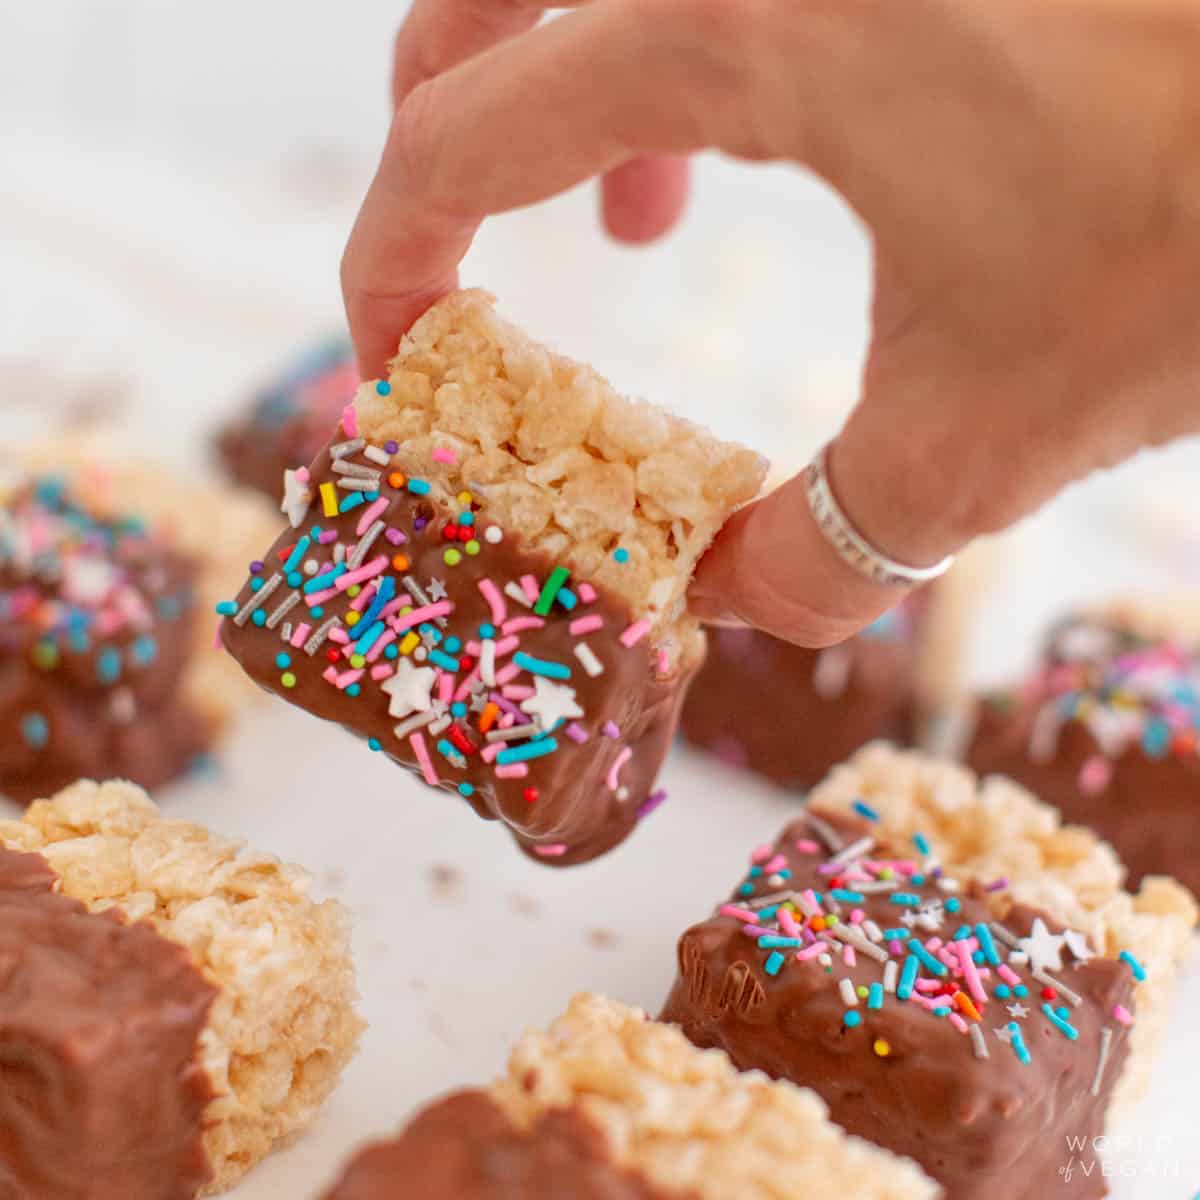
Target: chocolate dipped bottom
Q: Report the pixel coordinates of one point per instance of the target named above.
(101, 1091)
(465, 1148)
(95, 631)
(971, 1042)
(789, 713)
(1108, 731)
(463, 656)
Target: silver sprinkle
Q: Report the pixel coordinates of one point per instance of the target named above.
(825, 832)
(512, 733)
(854, 937)
(344, 448)
(978, 1041)
(1106, 1036)
(257, 599)
(285, 606)
(359, 483)
(322, 632)
(1072, 998)
(364, 545)
(377, 455)
(1005, 935)
(864, 845)
(415, 722)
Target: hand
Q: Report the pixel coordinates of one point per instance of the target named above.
(1029, 171)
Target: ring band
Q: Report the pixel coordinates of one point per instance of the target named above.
(851, 546)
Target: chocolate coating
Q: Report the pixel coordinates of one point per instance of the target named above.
(287, 423)
(985, 1128)
(789, 713)
(101, 1093)
(464, 1148)
(95, 631)
(1145, 802)
(571, 811)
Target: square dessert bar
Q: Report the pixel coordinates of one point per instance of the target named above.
(484, 575)
(967, 1003)
(606, 1105)
(1107, 729)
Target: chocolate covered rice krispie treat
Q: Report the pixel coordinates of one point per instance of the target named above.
(1107, 729)
(107, 582)
(172, 1006)
(607, 1105)
(287, 423)
(957, 975)
(484, 576)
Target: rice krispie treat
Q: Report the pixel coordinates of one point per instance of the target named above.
(607, 1105)
(1107, 729)
(287, 422)
(957, 975)
(484, 576)
(172, 1007)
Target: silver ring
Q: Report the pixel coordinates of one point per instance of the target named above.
(851, 546)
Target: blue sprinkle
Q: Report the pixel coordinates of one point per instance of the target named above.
(294, 579)
(467, 519)
(541, 666)
(35, 729)
(905, 899)
(256, 584)
(953, 904)
(1001, 991)
(1156, 737)
(918, 881)
(875, 998)
(962, 933)
(316, 611)
(1139, 972)
(78, 640)
(1020, 990)
(383, 388)
(927, 960)
(865, 810)
(351, 502)
(908, 976)
(747, 889)
(372, 496)
(418, 487)
(369, 636)
(851, 1019)
(755, 871)
(567, 598)
(443, 660)
(458, 709)
(108, 665)
(144, 650)
(1062, 1025)
(535, 749)
(325, 580)
(391, 650)
(297, 555)
(977, 957)
(452, 645)
(465, 789)
(941, 1011)
(984, 934)
(259, 618)
(227, 608)
(621, 554)
(921, 843)
(317, 531)
(772, 941)
(374, 744)
(774, 963)
(765, 914)
(847, 897)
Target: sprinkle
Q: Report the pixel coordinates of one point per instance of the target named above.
(315, 642)
(908, 977)
(329, 501)
(557, 578)
(984, 934)
(257, 599)
(771, 941)
(890, 971)
(588, 624)
(905, 899)
(927, 960)
(284, 607)
(577, 733)
(35, 729)
(615, 770)
(512, 771)
(1060, 1023)
(875, 996)
(970, 973)
(442, 454)
(634, 633)
(1057, 985)
(849, 997)
(978, 1042)
(921, 843)
(865, 810)
(1018, 1043)
(856, 849)
(419, 487)
(421, 752)
(1122, 1014)
(846, 897)
(495, 601)
(1139, 972)
(541, 666)
(587, 658)
(851, 1019)
(652, 801)
(773, 964)
(377, 455)
(1106, 1036)
(535, 749)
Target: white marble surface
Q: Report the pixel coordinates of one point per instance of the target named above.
(171, 214)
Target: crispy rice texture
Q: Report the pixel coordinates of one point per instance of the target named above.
(221, 526)
(994, 828)
(561, 458)
(686, 1119)
(283, 1026)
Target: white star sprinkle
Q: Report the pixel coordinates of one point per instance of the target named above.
(1043, 947)
(1004, 1034)
(930, 916)
(1077, 943)
(908, 917)
(409, 689)
(1018, 1011)
(436, 590)
(551, 703)
(297, 496)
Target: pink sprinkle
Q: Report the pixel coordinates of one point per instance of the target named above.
(350, 421)
(610, 730)
(928, 985)
(315, 598)
(957, 1022)
(302, 475)
(369, 514)
(752, 931)
(339, 635)
(375, 567)
(1095, 775)
(577, 733)
(382, 671)
(512, 770)
(520, 624)
(506, 673)
(395, 536)
(551, 851)
(896, 948)
(529, 586)
(300, 634)
(445, 687)
(444, 455)
(216, 642)
(971, 974)
(933, 943)
(428, 613)
(740, 914)
(464, 689)
(857, 917)
(776, 864)
(760, 854)
(811, 951)
(346, 678)
(495, 601)
(614, 772)
(360, 602)
(587, 593)
(516, 691)
(327, 536)
(848, 956)
(787, 922)
(808, 846)
(490, 751)
(417, 742)
(1122, 1014)
(664, 663)
(385, 639)
(634, 633)
(1008, 975)
(588, 624)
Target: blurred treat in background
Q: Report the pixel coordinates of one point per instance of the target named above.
(289, 419)
(1107, 729)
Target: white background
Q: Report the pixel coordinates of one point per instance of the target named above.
(176, 182)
